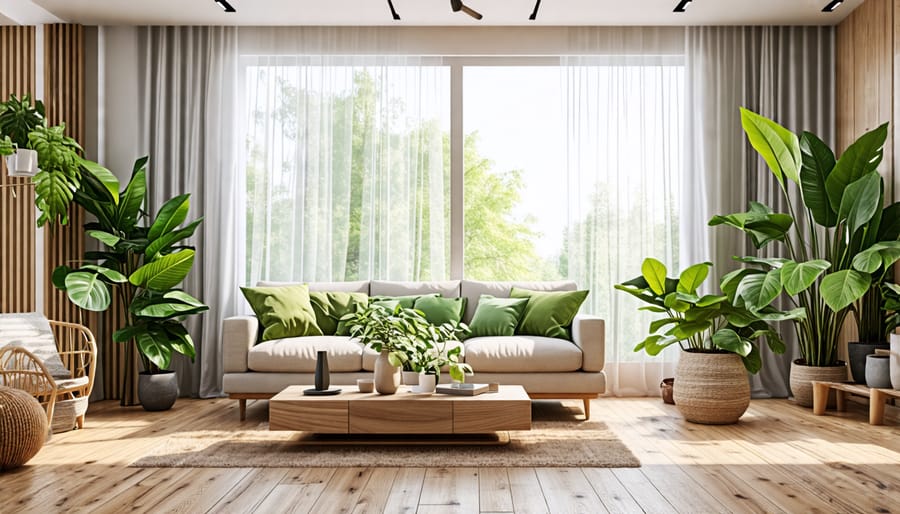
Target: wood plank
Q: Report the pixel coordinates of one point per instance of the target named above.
(374, 496)
(612, 493)
(298, 493)
(571, 490)
(405, 491)
(526, 492)
(452, 489)
(494, 490)
(253, 488)
(343, 491)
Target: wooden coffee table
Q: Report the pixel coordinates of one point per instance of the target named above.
(352, 412)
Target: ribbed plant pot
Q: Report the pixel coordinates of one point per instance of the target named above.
(387, 377)
(857, 353)
(711, 388)
(878, 374)
(802, 377)
(158, 391)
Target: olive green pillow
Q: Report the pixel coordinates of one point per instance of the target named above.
(284, 311)
(548, 313)
(496, 316)
(439, 310)
(331, 306)
(407, 302)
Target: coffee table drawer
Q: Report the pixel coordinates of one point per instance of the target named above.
(401, 417)
(321, 416)
(491, 416)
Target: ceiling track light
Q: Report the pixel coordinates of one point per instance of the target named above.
(537, 6)
(225, 6)
(682, 6)
(832, 5)
(393, 11)
(457, 5)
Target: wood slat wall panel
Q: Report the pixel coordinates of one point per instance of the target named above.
(17, 218)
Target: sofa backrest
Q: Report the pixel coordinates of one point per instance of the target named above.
(361, 286)
(473, 289)
(446, 288)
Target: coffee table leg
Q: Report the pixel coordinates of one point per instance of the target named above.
(876, 407)
(820, 398)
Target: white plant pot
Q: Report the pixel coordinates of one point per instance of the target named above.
(894, 366)
(23, 163)
(427, 383)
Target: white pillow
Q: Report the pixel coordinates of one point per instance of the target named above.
(31, 330)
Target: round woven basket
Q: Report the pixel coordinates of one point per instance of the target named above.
(802, 376)
(23, 427)
(711, 388)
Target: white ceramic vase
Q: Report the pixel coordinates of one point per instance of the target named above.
(387, 377)
(427, 383)
(895, 361)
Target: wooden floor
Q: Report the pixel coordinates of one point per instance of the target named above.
(779, 458)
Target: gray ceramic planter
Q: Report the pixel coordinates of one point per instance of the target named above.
(158, 391)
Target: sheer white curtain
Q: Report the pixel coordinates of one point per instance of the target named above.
(624, 121)
(347, 172)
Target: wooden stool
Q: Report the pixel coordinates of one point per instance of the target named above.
(877, 398)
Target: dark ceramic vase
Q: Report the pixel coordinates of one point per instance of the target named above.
(158, 391)
(323, 379)
(857, 353)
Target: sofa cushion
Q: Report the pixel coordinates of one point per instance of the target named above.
(369, 355)
(447, 288)
(298, 354)
(31, 330)
(331, 306)
(439, 310)
(473, 289)
(522, 354)
(360, 286)
(391, 302)
(497, 316)
(549, 313)
(284, 311)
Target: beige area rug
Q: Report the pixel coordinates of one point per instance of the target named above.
(557, 439)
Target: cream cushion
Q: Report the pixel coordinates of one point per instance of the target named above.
(298, 354)
(369, 355)
(522, 354)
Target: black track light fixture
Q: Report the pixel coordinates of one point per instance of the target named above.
(537, 6)
(393, 11)
(457, 5)
(682, 6)
(832, 5)
(225, 6)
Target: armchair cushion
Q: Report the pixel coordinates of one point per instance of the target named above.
(31, 330)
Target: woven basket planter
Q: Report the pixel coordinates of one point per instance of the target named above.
(23, 427)
(711, 388)
(801, 376)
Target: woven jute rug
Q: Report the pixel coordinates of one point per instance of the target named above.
(557, 439)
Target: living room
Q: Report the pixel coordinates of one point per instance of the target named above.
(430, 256)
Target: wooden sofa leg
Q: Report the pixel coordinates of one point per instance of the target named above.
(587, 408)
(242, 403)
(79, 422)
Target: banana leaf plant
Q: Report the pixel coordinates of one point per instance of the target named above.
(709, 323)
(143, 260)
(837, 244)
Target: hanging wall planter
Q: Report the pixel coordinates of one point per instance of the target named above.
(23, 163)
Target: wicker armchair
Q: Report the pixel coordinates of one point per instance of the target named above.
(77, 348)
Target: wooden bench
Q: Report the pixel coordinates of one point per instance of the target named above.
(877, 398)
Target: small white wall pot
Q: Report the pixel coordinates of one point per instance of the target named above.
(23, 163)
(711, 388)
(878, 375)
(427, 383)
(895, 361)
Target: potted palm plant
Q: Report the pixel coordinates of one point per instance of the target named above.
(718, 334)
(144, 262)
(835, 241)
(18, 118)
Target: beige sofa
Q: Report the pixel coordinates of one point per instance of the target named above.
(547, 368)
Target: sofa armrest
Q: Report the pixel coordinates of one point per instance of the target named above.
(589, 333)
(238, 336)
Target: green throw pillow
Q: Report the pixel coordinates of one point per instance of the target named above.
(284, 311)
(407, 302)
(548, 313)
(330, 306)
(440, 310)
(496, 316)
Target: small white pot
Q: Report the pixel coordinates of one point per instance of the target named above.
(410, 378)
(427, 383)
(23, 163)
(894, 365)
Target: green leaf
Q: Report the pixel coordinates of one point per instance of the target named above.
(652, 308)
(104, 176)
(165, 242)
(777, 145)
(693, 277)
(659, 323)
(770, 314)
(170, 215)
(711, 299)
(768, 262)
(732, 280)
(654, 272)
(798, 277)
(165, 272)
(129, 207)
(672, 302)
(867, 261)
(753, 361)
(760, 223)
(818, 161)
(106, 238)
(59, 276)
(87, 291)
(128, 333)
(844, 287)
(183, 297)
(728, 340)
(759, 291)
(111, 274)
(860, 158)
(889, 230)
(155, 346)
(861, 200)
(687, 330)
(169, 309)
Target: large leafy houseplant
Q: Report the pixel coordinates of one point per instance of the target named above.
(703, 323)
(408, 338)
(143, 260)
(838, 241)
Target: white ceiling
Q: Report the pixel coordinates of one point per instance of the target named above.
(426, 12)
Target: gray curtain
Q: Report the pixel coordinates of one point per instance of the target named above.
(188, 81)
(784, 73)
